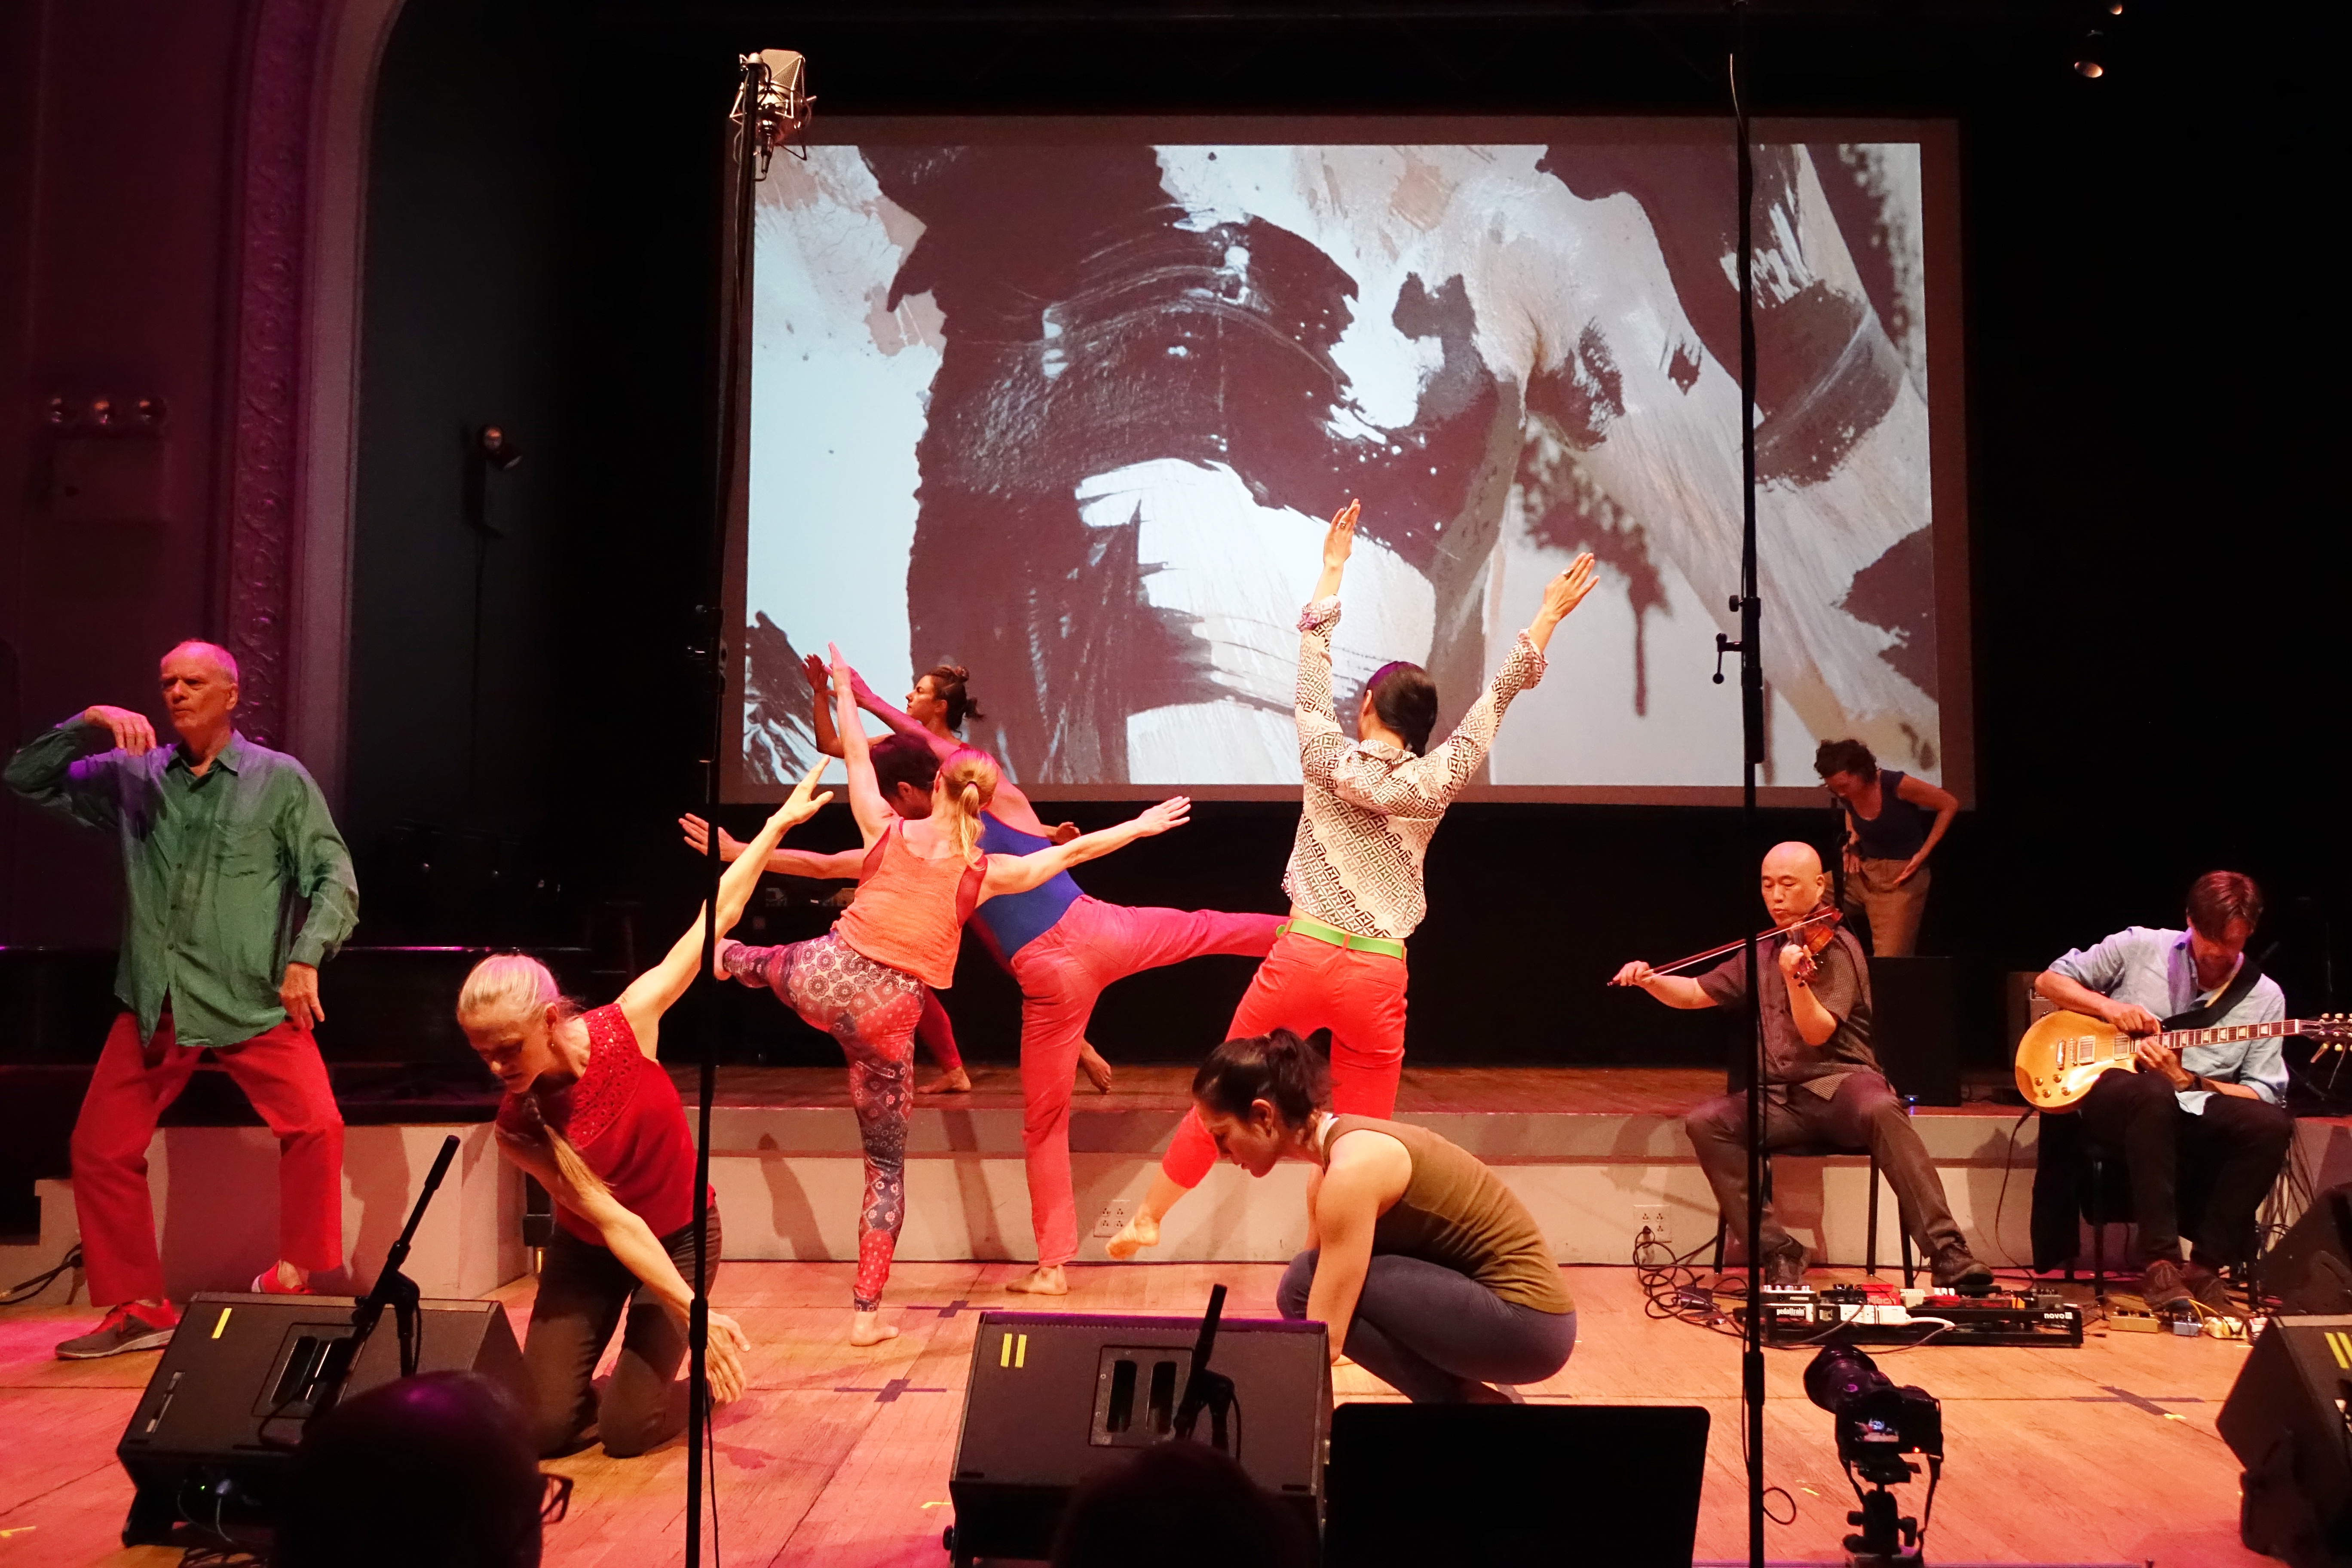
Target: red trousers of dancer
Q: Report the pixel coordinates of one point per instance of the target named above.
(1304, 985)
(279, 1070)
(1061, 974)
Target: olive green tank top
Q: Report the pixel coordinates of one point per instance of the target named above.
(1457, 1212)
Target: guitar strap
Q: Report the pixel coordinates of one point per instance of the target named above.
(2219, 1008)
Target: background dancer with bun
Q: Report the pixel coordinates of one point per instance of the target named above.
(1369, 810)
(1426, 1270)
(935, 713)
(591, 1114)
(863, 981)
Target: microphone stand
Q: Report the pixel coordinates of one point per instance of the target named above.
(765, 110)
(1206, 1390)
(1751, 723)
(392, 1288)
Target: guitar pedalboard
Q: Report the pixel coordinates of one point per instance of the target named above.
(1874, 1314)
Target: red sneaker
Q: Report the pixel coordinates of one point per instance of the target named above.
(265, 1283)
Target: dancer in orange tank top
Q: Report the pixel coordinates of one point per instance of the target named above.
(863, 981)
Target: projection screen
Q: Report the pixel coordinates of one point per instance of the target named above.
(1068, 403)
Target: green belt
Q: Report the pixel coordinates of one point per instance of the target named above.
(1316, 930)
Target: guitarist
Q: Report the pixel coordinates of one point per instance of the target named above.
(2214, 1113)
(1821, 1081)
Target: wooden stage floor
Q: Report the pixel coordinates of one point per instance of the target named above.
(839, 1457)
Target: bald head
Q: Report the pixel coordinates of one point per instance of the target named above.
(199, 685)
(1793, 882)
(222, 661)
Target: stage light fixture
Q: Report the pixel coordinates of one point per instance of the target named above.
(2086, 58)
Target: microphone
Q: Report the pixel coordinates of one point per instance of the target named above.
(784, 105)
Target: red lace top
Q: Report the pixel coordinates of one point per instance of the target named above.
(624, 1116)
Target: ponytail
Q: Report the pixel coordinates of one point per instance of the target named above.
(968, 778)
(1282, 1069)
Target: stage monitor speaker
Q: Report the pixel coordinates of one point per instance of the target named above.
(2285, 1420)
(2310, 1268)
(1055, 1397)
(1914, 1026)
(1437, 1485)
(226, 1406)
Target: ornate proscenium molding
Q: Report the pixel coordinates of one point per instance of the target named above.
(268, 273)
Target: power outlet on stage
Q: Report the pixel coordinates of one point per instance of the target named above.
(1115, 1215)
(1652, 1217)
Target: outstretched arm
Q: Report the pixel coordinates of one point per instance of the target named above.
(1674, 990)
(843, 865)
(1019, 873)
(632, 1241)
(828, 740)
(865, 802)
(649, 995)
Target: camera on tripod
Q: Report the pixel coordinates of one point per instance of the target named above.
(1879, 1422)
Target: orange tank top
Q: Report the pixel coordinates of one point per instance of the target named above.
(910, 911)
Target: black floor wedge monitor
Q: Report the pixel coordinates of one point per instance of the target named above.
(1437, 1485)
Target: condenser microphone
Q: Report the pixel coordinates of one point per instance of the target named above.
(785, 103)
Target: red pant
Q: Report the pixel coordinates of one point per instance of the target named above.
(279, 1070)
(1304, 985)
(1061, 974)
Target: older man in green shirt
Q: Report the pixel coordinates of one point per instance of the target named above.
(220, 840)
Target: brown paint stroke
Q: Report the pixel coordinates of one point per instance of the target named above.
(1897, 593)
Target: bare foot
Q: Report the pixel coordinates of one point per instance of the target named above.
(1041, 1282)
(1091, 1063)
(1140, 1232)
(955, 1082)
(864, 1331)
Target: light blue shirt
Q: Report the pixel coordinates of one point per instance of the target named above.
(2153, 969)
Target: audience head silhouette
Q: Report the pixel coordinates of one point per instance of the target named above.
(1178, 1505)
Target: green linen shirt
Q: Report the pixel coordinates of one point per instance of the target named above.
(214, 867)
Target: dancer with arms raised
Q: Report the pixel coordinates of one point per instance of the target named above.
(590, 1113)
(1369, 810)
(863, 981)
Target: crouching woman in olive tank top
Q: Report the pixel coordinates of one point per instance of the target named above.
(1428, 1272)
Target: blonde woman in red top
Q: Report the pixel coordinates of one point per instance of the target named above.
(590, 1112)
(863, 981)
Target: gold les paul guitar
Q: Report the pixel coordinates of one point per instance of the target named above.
(2062, 1054)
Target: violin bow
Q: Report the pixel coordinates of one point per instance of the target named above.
(1826, 913)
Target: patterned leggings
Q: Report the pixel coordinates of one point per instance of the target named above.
(872, 1010)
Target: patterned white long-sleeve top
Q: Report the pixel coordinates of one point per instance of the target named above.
(1369, 807)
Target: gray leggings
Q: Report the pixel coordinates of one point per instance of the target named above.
(583, 1289)
(1433, 1334)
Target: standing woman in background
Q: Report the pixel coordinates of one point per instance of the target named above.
(589, 1112)
(1367, 814)
(863, 981)
(1892, 823)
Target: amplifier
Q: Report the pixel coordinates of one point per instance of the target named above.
(1055, 1397)
(1864, 1315)
(226, 1406)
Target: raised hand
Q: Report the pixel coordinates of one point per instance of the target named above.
(1173, 812)
(1341, 537)
(1062, 832)
(819, 676)
(803, 802)
(1567, 591)
(131, 731)
(697, 838)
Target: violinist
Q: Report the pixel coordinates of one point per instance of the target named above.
(1822, 1084)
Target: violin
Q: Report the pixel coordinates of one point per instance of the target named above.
(1811, 933)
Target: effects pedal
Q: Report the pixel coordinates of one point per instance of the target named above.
(1875, 1313)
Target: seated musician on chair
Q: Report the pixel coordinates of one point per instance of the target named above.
(2213, 1113)
(1822, 1084)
